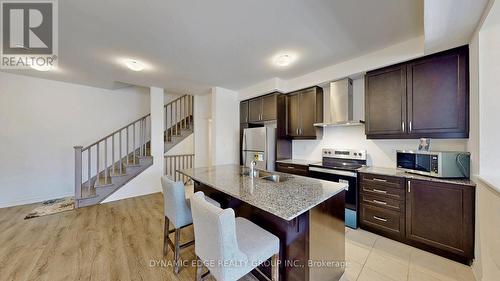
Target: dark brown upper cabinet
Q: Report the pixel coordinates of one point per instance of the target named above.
(438, 95)
(243, 112)
(427, 97)
(385, 101)
(304, 108)
(440, 218)
(254, 110)
(262, 109)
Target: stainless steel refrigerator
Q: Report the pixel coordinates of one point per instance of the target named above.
(259, 144)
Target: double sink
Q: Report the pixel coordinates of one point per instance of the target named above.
(265, 175)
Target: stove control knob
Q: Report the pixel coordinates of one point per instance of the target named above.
(360, 154)
(356, 154)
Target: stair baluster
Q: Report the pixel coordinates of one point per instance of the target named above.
(120, 152)
(128, 144)
(89, 167)
(133, 144)
(173, 163)
(97, 163)
(78, 170)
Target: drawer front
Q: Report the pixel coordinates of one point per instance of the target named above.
(292, 169)
(373, 188)
(382, 202)
(379, 180)
(384, 221)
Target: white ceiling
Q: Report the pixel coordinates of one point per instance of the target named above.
(193, 45)
(450, 23)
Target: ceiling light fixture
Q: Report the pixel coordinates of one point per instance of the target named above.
(283, 60)
(134, 65)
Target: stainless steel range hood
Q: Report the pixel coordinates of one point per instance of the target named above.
(338, 109)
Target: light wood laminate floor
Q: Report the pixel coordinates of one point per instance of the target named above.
(122, 240)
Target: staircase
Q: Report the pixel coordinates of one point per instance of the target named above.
(111, 162)
(178, 121)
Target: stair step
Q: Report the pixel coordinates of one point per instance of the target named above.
(131, 162)
(100, 193)
(114, 171)
(88, 192)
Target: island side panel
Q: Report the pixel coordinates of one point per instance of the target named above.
(293, 235)
(327, 239)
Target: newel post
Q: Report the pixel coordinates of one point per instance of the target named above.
(78, 174)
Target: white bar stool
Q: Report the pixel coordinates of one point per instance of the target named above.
(230, 247)
(177, 212)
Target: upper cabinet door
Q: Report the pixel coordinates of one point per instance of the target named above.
(293, 112)
(269, 107)
(244, 112)
(385, 102)
(255, 110)
(307, 112)
(438, 95)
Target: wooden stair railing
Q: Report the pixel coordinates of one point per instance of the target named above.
(110, 156)
(101, 168)
(173, 163)
(178, 116)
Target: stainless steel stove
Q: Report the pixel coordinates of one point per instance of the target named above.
(341, 165)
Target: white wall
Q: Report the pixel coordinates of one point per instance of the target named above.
(224, 135)
(381, 153)
(202, 127)
(484, 143)
(41, 120)
(186, 146)
(489, 68)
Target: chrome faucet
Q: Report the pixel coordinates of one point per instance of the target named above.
(252, 168)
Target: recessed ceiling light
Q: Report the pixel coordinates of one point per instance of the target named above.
(43, 67)
(134, 65)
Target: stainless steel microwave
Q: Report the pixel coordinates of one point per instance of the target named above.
(439, 164)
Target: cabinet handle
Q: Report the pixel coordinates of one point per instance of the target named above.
(297, 131)
(410, 126)
(380, 180)
(379, 202)
(403, 125)
(379, 191)
(300, 131)
(290, 167)
(409, 186)
(380, 219)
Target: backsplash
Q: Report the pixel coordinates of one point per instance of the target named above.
(381, 153)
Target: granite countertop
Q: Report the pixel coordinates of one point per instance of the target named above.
(398, 173)
(298, 161)
(287, 200)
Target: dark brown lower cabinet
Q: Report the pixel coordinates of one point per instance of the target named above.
(440, 218)
(433, 216)
(382, 205)
(292, 169)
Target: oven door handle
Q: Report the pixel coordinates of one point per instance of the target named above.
(334, 172)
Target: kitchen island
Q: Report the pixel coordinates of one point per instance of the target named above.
(306, 214)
